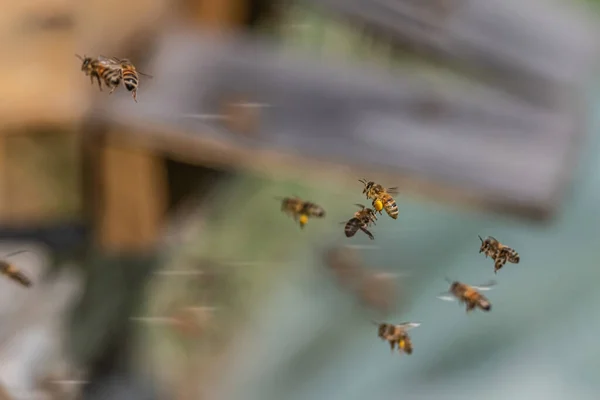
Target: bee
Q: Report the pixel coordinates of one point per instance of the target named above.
(382, 197)
(362, 220)
(397, 335)
(468, 295)
(103, 69)
(300, 210)
(13, 272)
(130, 76)
(498, 252)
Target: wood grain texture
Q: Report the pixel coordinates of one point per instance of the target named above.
(133, 187)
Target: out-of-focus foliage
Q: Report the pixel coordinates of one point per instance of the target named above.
(241, 244)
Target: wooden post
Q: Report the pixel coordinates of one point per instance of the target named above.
(134, 188)
(219, 15)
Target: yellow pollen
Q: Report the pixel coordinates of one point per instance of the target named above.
(303, 219)
(378, 205)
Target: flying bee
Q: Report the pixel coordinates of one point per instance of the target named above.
(362, 220)
(103, 69)
(300, 210)
(468, 295)
(498, 252)
(13, 272)
(382, 197)
(397, 335)
(130, 76)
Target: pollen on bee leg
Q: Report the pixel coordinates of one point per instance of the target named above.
(378, 205)
(303, 219)
(402, 344)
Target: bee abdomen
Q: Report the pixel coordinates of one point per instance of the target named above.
(130, 80)
(352, 227)
(484, 304)
(514, 257)
(390, 206)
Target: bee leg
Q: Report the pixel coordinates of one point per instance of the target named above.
(498, 264)
(134, 95)
(369, 234)
(113, 89)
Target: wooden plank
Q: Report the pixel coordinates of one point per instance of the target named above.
(3, 188)
(219, 15)
(39, 177)
(206, 151)
(134, 191)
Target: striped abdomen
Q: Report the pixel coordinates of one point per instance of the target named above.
(512, 256)
(110, 76)
(352, 226)
(482, 302)
(130, 79)
(389, 205)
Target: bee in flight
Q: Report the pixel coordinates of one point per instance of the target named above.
(498, 252)
(382, 197)
(13, 272)
(300, 210)
(103, 69)
(130, 76)
(362, 220)
(468, 295)
(397, 335)
(112, 71)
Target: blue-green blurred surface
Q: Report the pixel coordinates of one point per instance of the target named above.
(310, 341)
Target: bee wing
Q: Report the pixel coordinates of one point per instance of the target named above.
(392, 190)
(146, 75)
(115, 62)
(446, 297)
(485, 286)
(408, 325)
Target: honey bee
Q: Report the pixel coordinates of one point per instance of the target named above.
(468, 295)
(13, 272)
(362, 220)
(382, 197)
(130, 76)
(498, 252)
(103, 69)
(397, 335)
(300, 210)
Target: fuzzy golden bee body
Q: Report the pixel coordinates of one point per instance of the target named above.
(498, 252)
(470, 295)
(103, 69)
(397, 335)
(130, 75)
(381, 198)
(301, 210)
(362, 219)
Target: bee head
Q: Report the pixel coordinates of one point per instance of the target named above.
(381, 330)
(454, 286)
(484, 244)
(368, 185)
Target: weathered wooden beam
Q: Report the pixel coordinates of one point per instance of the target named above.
(134, 189)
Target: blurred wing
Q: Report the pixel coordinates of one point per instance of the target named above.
(392, 190)
(446, 297)
(485, 286)
(146, 75)
(408, 325)
(109, 61)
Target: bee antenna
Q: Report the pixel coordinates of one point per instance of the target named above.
(449, 280)
(375, 322)
(480, 238)
(363, 181)
(78, 56)
(360, 205)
